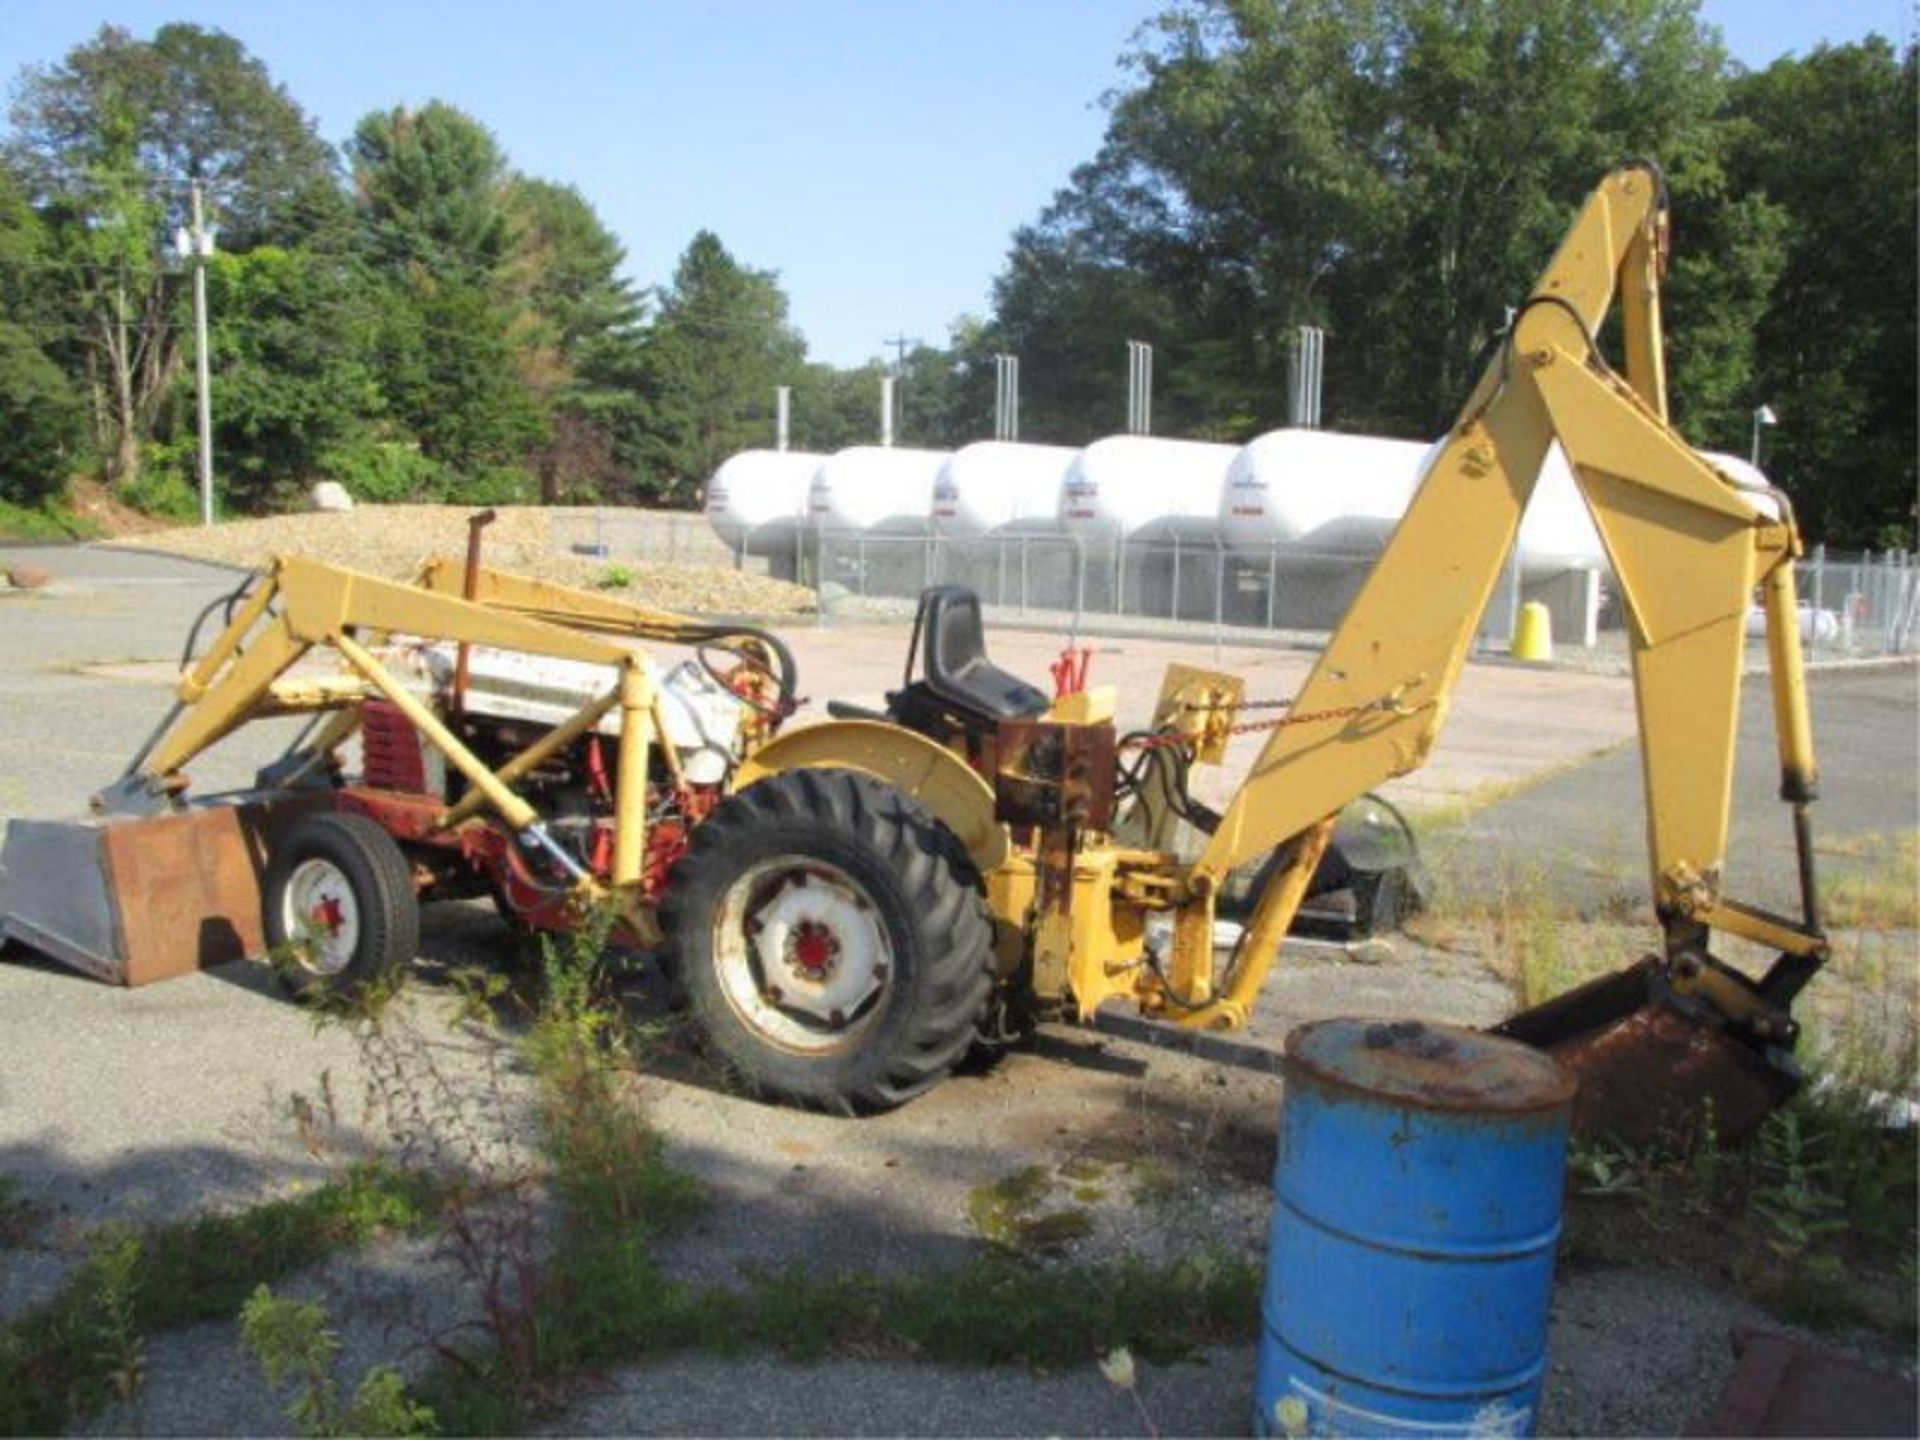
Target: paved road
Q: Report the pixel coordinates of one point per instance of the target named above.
(1583, 830)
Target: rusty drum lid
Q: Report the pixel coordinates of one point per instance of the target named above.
(1432, 1067)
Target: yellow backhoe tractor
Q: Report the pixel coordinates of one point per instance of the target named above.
(844, 904)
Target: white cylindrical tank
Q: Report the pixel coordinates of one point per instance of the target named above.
(1318, 490)
(1557, 532)
(1316, 485)
(1142, 487)
(868, 487)
(757, 500)
(991, 484)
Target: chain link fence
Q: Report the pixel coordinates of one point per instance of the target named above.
(1853, 604)
(680, 537)
(1859, 604)
(1173, 583)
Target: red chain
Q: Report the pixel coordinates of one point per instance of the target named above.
(1304, 717)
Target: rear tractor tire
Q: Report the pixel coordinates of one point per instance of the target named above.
(831, 938)
(341, 911)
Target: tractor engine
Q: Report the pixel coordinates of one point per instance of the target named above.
(510, 700)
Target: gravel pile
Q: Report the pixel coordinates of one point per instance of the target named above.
(393, 540)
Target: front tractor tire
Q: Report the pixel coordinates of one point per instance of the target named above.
(831, 939)
(341, 912)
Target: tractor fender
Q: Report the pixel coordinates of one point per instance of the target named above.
(930, 773)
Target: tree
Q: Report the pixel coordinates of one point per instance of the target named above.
(711, 362)
(429, 189)
(107, 144)
(41, 421)
(576, 329)
(291, 341)
(1829, 137)
(1393, 170)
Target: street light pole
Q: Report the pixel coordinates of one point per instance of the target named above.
(195, 246)
(1762, 415)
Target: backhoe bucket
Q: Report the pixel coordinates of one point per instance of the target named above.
(1647, 1072)
(135, 899)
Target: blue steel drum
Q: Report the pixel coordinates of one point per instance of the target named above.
(1417, 1206)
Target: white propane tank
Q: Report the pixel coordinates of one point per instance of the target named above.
(1318, 487)
(1146, 488)
(1318, 490)
(991, 484)
(757, 500)
(869, 487)
(1751, 480)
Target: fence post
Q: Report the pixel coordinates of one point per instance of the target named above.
(1023, 574)
(1219, 595)
(1176, 574)
(1079, 584)
(1119, 574)
(1000, 567)
(1819, 588)
(819, 574)
(1273, 576)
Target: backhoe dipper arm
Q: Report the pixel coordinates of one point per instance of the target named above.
(1686, 544)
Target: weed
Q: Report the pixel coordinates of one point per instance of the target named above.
(59, 1363)
(119, 1354)
(552, 1296)
(1882, 891)
(1117, 1365)
(1797, 1203)
(1599, 1168)
(1009, 1214)
(19, 1216)
(295, 1347)
(614, 577)
(1813, 1216)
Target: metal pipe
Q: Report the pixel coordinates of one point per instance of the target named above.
(193, 684)
(630, 786)
(516, 812)
(535, 754)
(469, 589)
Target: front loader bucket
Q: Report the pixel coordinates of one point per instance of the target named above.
(1647, 1072)
(135, 899)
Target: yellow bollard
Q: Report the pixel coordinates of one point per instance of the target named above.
(1533, 633)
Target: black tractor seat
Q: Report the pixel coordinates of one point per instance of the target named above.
(959, 687)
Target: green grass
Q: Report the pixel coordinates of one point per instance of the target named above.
(58, 1363)
(55, 522)
(1881, 890)
(612, 1305)
(1813, 1218)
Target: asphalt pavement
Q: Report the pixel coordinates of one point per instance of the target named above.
(168, 1100)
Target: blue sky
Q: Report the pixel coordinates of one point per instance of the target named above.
(878, 155)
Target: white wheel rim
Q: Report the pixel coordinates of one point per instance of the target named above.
(802, 954)
(320, 917)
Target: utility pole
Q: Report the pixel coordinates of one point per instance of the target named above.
(900, 344)
(195, 246)
(889, 383)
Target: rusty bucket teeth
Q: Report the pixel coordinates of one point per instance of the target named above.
(1649, 1074)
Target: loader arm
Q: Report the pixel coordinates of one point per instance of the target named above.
(1688, 547)
(300, 605)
